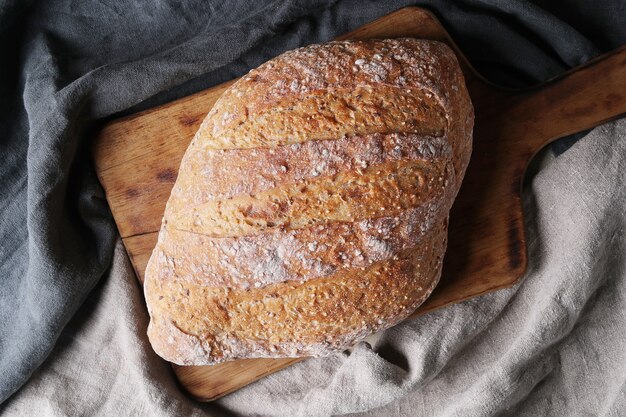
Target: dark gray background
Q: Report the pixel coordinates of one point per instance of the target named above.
(66, 66)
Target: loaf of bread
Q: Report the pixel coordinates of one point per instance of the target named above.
(311, 208)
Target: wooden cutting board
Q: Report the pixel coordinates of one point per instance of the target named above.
(137, 161)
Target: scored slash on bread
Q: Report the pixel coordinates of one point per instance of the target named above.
(311, 208)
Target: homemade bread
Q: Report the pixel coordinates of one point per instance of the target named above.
(311, 208)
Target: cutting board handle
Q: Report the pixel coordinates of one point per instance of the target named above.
(578, 100)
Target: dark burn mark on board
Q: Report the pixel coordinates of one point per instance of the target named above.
(189, 120)
(167, 175)
(132, 193)
(611, 101)
(515, 245)
(516, 184)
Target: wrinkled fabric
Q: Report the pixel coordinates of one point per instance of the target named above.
(68, 66)
(553, 345)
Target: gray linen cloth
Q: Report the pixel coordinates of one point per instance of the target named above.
(553, 345)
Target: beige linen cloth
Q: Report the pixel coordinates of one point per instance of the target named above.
(555, 344)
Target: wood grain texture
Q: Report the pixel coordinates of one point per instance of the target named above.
(137, 161)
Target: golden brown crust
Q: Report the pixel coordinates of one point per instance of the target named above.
(294, 255)
(291, 319)
(379, 190)
(311, 207)
(384, 109)
(236, 172)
